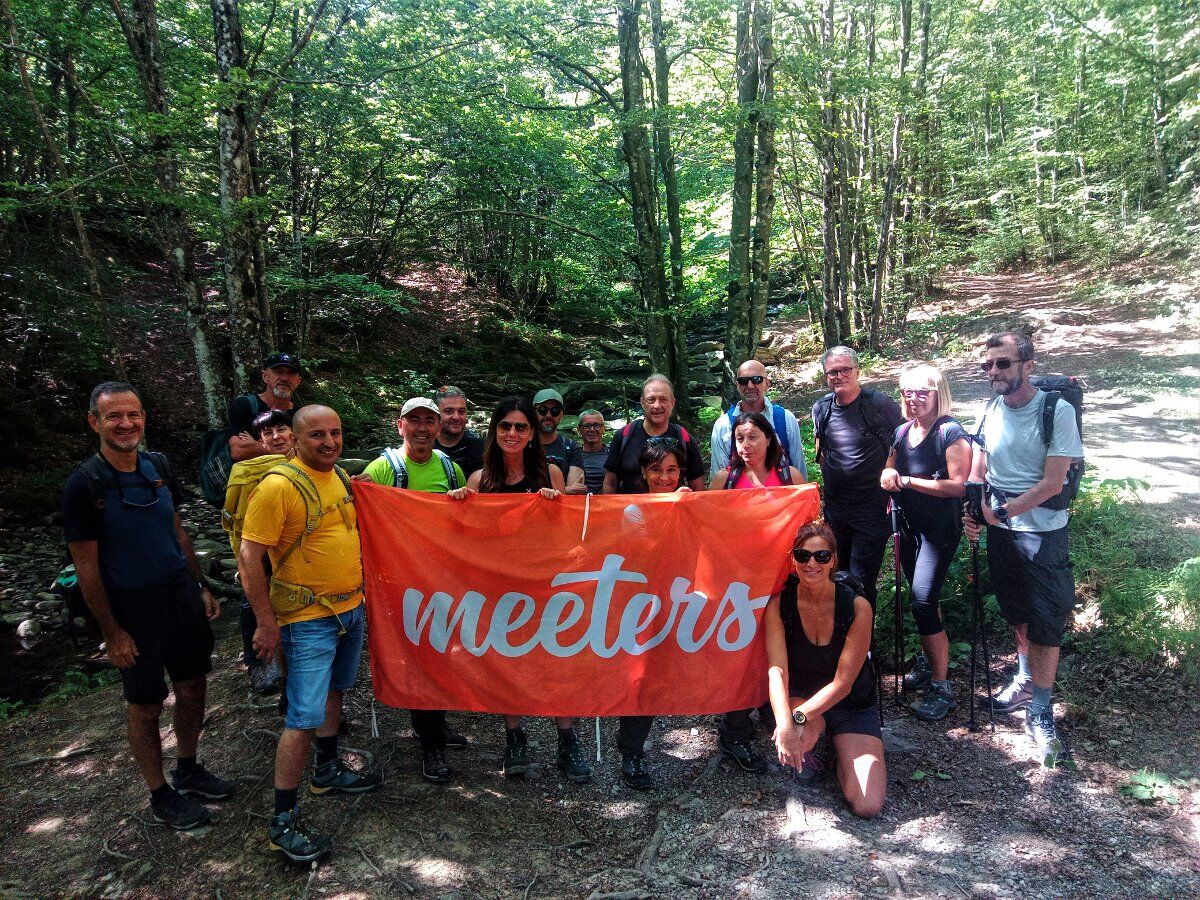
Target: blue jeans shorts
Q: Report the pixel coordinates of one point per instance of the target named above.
(320, 661)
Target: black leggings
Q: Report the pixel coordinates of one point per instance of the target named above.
(926, 560)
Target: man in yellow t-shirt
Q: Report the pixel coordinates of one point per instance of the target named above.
(311, 610)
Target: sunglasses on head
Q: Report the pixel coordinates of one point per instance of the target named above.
(802, 556)
(518, 427)
(1000, 364)
(744, 380)
(669, 443)
(551, 409)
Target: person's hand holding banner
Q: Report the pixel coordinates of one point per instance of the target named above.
(506, 603)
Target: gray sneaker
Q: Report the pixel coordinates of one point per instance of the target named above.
(339, 777)
(1052, 749)
(1016, 696)
(937, 703)
(286, 837)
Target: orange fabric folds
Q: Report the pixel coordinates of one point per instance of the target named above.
(608, 605)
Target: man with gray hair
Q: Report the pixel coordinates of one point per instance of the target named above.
(456, 440)
(594, 451)
(854, 427)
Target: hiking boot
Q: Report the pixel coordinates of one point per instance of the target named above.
(202, 783)
(633, 770)
(337, 776)
(434, 766)
(937, 703)
(919, 675)
(180, 812)
(572, 761)
(287, 838)
(741, 753)
(266, 678)
(516, 753)
(1051, 748)
(453, 738)
(1016, 696)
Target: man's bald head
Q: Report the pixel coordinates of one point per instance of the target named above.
(318, 431)
(754, 396)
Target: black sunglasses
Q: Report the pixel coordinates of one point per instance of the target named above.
(1000, 364)
(518, 427)
(744, 380)
(554, 410)
(802, 556)
(669, 443)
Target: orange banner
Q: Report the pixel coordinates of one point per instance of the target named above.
(603, 605)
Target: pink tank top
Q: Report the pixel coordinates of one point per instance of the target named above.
(773, 480)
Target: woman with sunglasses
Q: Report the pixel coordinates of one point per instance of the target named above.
(758, 457)
(929, 463)
(820, 676)
(514, 462)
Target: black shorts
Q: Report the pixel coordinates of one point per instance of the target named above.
(171, 631)
(1034, 580)
(853, 721)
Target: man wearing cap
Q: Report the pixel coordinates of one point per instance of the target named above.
(419, 466)
(560, 451)
(281, 376)
(752, 383)
(456, 440)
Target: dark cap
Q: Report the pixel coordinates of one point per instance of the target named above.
(283, 359)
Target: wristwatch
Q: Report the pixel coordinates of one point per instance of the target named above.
(1001, 512)
(905, 481)
(798, 716)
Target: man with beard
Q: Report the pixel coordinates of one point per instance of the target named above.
(753, 384)
(281, 377)
(456, 440)
(560, 451)
(1024, 451)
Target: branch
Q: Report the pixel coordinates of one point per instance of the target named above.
(393, 70)
(296, 50)
(557, 223)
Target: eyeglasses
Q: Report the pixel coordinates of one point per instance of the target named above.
(839, 373)
(1000, 364)
(744, 380)
(668, 443)
(549, 410)
(802, 556)
(518, 427)
(921, 394)
(588, 425)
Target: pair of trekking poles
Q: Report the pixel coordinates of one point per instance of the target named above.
(974, 503)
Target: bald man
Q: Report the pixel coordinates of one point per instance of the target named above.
(752, 384)
(311, 611)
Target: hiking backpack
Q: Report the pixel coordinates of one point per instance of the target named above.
(1057, 388)
(735, 471)
(778, 421)
(395, 458)
(216, 462)
(870, 418)
(243, 479)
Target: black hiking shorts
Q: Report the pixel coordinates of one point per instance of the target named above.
(1034, 580)
(171, 631)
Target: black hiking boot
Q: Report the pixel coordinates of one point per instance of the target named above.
(434, 766)
(571, 759)
(633, 770)
(202, 783)
(516, 752)
(937, 703)
(338, 777)
(180, 812)
(287, 838)
(741, 753)
(453, 738)
(919, 675)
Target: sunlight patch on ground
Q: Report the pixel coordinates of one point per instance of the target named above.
(437, 871)
(683, 744)
(815, 827)
(46, 826)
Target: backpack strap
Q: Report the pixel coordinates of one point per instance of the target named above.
(159, 462)
(395, 458)
(447, 468)
(902, 434)
(779, 420)
(785, 472)
(825, 410)
(96, 470)
(843, 606)
(864, 400)
(1049, 404)
(977, 437)
(733, 473)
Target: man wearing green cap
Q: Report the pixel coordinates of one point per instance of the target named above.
(560, 451)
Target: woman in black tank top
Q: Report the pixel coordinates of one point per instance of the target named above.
(820, 674)
(515, 463)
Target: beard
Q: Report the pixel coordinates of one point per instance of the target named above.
(1012, 385)
(547, 426)
(281, 392)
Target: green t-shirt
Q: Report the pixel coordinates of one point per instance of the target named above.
(429, 476)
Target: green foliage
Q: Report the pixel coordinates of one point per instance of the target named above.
(12, 709)
(75, 683)
(921, 775)
(1148, 786)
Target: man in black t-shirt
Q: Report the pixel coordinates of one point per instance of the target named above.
(853, 427)
(594, 452)
(281, 375)
(560, 451)
(455, 439)
(140, 579)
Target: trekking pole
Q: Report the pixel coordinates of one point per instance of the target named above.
(975, 511)
(898, 638)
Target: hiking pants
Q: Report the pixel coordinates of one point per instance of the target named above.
(862, 534)
(430, 726)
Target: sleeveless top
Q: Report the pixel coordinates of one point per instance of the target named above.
(524, 486)
(811, 667)
(936, 518)
(738, 479)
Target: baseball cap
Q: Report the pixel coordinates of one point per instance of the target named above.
(547, 394)
(416, 403)
(283, 359)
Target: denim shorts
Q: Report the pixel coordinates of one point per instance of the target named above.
(320, 661)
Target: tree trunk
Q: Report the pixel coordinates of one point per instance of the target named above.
(764, 164)
(737, 332)
(175, 234)
(830, 284)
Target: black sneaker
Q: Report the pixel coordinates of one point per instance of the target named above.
(937, 703)
(572, 761)
(919, 675)
(337, 776)
(434, 766)
(742, 753)
(453, 738)
(516, 753)
(1016, 696)
(180, 812)
(633, 770)
(265, 678)
(1052, 749)
(287, 838)
(202, 783)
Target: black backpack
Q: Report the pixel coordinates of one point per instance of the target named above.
(866, 408)
(216, 461)
(1057, 387)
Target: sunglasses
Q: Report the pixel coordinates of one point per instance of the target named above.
(802, 556)
(549, 410)
(921, 394)
(744, 380)
(1000, 364)
(669, 443)
(839, 373)
(518, 427)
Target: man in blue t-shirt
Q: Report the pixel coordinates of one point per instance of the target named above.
(1027, 550)
(140, 579)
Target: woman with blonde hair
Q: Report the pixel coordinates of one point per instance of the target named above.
(929, 463)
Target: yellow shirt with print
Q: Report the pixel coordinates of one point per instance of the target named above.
(329, 561)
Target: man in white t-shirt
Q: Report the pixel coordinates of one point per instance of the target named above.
(1026, 517)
